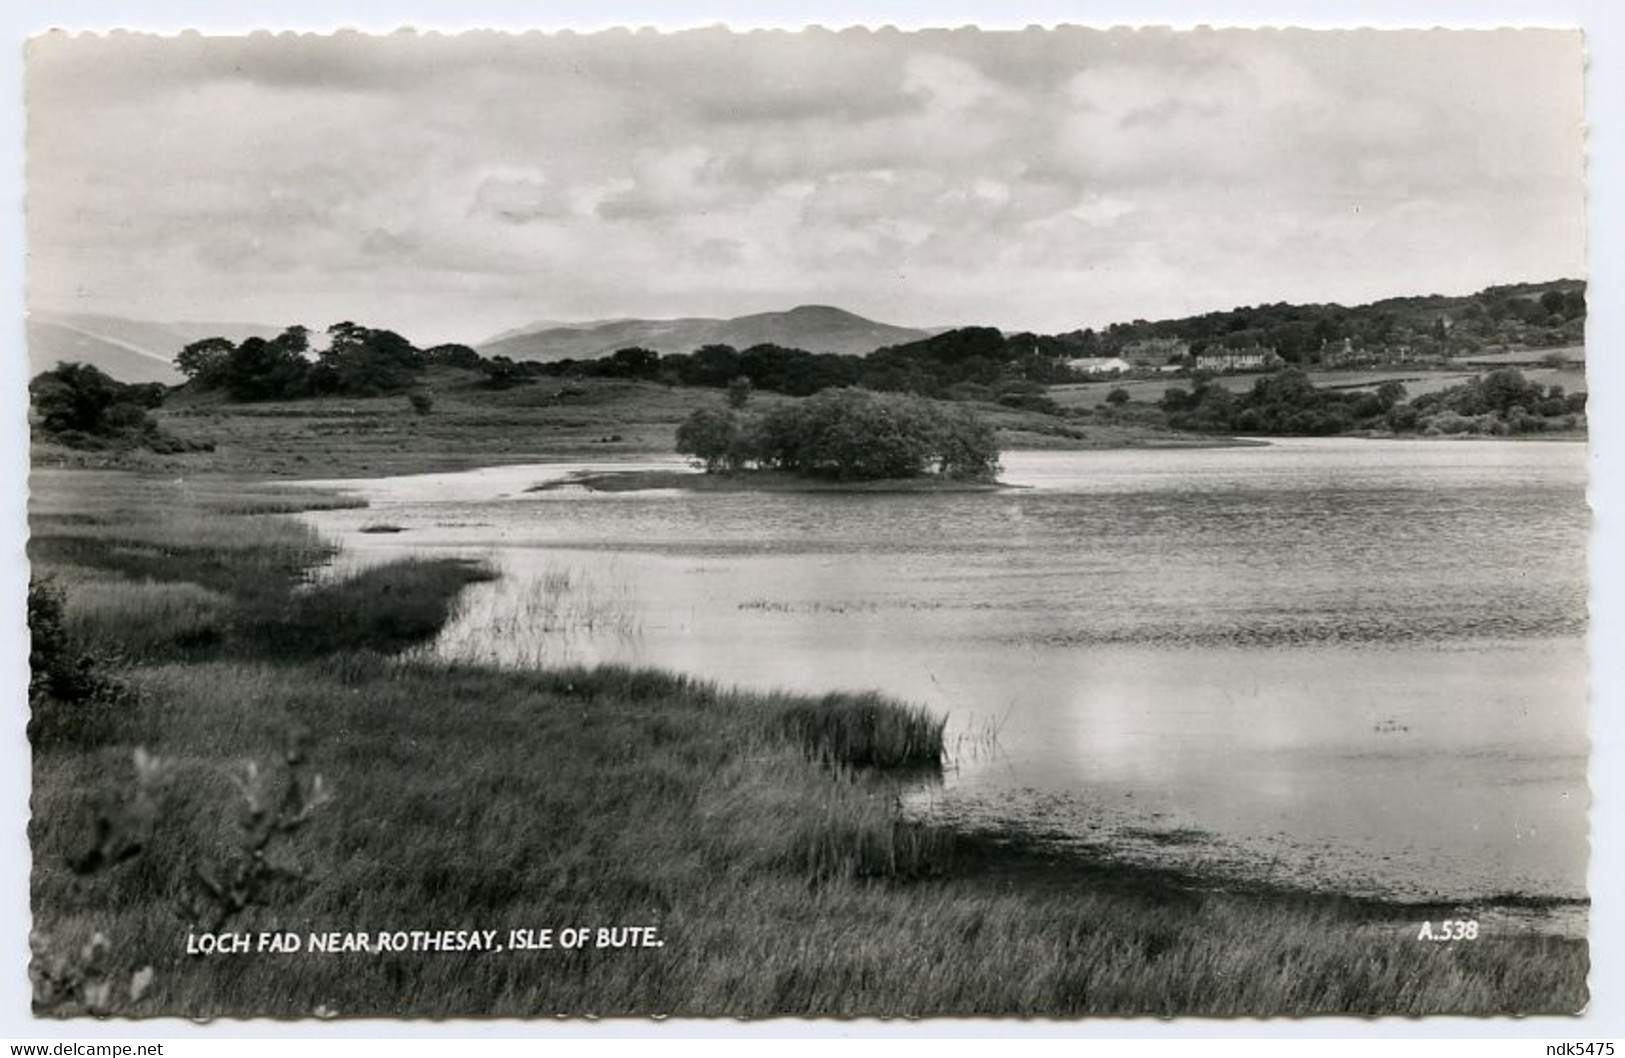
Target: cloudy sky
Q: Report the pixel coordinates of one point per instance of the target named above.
(451, 187)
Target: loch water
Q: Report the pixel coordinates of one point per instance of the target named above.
(1338, 663)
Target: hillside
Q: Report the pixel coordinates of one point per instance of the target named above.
(814, 328)
(129, 350)
(1545, 315)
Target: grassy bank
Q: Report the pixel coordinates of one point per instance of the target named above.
(761, 835)
(469, 425)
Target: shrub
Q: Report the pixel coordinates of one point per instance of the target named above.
(83, 407)
(72, 698)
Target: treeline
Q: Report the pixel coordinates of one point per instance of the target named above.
(358, 362)
(844, 435)
(969, 363)
(973, 363)
(1537, 315)
(1287, 403)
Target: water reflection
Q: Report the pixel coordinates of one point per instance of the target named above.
(1350, 663)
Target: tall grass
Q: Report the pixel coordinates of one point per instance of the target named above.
(385, 609)
(866, 730)
(466, 797)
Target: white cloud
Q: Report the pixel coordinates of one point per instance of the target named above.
(451, 186)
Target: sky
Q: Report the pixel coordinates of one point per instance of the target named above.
(451, 187)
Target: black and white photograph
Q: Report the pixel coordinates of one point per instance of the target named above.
(836, 522)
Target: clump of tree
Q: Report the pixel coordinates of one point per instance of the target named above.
(253, 369)
(1288, 403)
(846, 435)
(81, 406)
(1500, 402)
(358, 362)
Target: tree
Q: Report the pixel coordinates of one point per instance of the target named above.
(454, 355)
(363, 361)
(204, 362)
(967, 448)
(635, 362)
(269, 370)
(712, 436)
(502, 373)
(73, 397)
(1390, 393)
(79, 403)
(1117, 397)
(857, 435)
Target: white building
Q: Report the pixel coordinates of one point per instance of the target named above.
(1255, 358)
(1100, 365)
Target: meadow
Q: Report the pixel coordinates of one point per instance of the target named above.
(262, 748)
(469, 425)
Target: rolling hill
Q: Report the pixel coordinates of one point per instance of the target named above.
(129, 350)
(815, 328)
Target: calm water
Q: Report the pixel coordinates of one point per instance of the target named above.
(1339, 663)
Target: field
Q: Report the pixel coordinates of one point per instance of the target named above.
(256, 750)
(468, 425)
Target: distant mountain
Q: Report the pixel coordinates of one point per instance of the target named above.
(129, 350)
(814, 328)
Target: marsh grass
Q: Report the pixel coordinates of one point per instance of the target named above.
(384, 609)
(762, 834)
(866, 730)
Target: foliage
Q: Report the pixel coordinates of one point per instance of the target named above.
(713, 436)
(364, 362)
(73, 697)
(1533, 314)
(358, 362)
(846, 435)
(81, 406)
(1288, 403)
(274, 807)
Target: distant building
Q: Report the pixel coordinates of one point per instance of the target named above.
(1253, 358)
(1346, 354)
(1155, 352)
(1100, 365)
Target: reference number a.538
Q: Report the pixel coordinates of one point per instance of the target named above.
(1449, 929)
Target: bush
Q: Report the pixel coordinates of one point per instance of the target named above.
(83, 407)
(72, 699)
